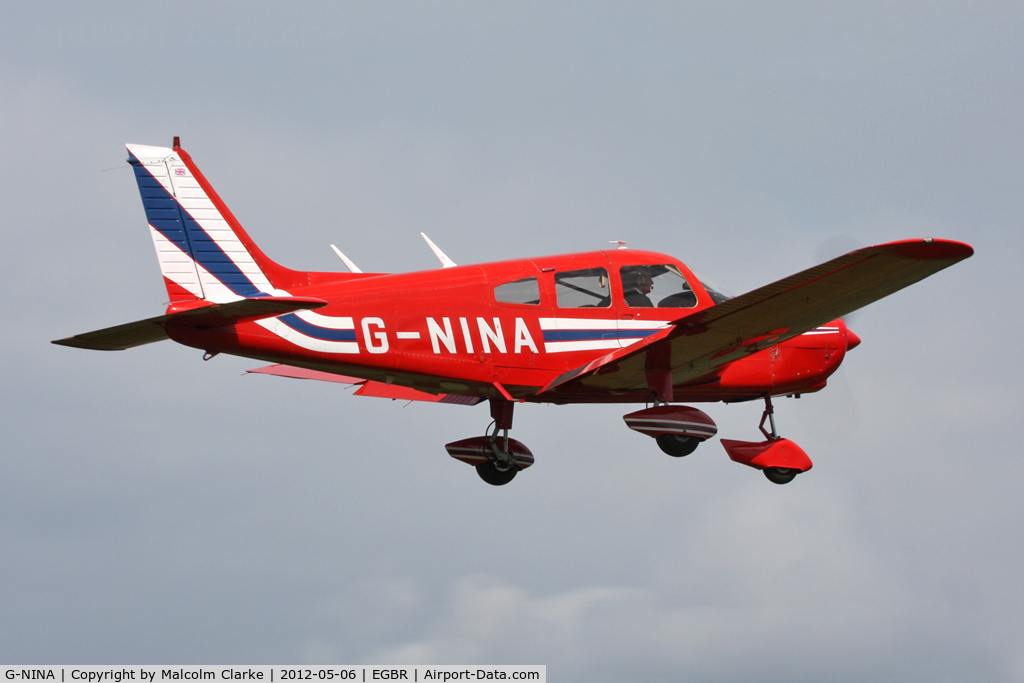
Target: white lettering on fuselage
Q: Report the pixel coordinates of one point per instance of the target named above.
(381, 345)
(487, 335)
(439, 336)
(443, 335)
(523, 337)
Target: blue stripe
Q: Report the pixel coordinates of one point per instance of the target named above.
(310, 330)
(590, 335)
(172, 221)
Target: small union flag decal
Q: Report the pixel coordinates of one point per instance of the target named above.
(179, 171)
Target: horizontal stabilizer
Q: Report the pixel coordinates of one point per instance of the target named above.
(119, 337)
(152, 330)
(368, 387)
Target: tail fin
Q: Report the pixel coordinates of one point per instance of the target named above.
(203, 251)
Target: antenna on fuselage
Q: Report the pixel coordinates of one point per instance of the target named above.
(445, 261)
(621, 243)
(346, 260)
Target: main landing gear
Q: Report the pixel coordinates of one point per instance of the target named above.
(677, 445)
(677, 429)
(680, 429)
(496, 457)
(780, 459)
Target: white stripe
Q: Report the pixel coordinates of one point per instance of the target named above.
(577, 324)
(175, 265)
(589, 345)
(689, 431)
(307, 342)
(327, 321)
(644, 422)
(407, 335)
(643, 324)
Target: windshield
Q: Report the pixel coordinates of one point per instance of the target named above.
(717, 294)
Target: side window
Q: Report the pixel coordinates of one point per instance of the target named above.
(586, 288)
(525, 291)
(660, 285)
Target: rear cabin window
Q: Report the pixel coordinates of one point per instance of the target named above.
(662, 286)
(525, 291)
(586, 288)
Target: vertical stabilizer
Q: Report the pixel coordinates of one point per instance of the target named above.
(203, 251)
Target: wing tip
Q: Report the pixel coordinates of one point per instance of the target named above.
(928, 249)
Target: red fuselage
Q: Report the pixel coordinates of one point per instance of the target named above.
(458, 330)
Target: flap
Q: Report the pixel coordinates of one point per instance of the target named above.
(368, 387)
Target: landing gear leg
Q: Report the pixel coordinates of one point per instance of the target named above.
(769, 414)
(496, 457)
(780, 459)
(500, 467)
(776, 475)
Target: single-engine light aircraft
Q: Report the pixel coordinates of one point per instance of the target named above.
(614, 326)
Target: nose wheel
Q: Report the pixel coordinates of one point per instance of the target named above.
(780, 459)
(780, 475)
(776, 475)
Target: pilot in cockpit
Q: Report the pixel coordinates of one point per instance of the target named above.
(636, 285)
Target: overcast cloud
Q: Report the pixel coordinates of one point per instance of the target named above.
(158, 509)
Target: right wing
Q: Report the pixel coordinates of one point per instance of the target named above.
(694, 347)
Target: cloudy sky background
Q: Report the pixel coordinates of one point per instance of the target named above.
(158, 509)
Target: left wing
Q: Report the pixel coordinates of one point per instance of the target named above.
(697, 345)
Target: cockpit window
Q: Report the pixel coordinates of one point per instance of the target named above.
(525, 291)
(662, 285)
(717, 294)
(586, 288)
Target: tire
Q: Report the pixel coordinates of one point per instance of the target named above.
(678, 445)
(493, 476)
(780, 475)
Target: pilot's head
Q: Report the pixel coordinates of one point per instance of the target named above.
(637, 278)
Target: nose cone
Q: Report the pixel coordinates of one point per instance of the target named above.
(852, 340)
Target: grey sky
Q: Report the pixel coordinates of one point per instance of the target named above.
(156, 508)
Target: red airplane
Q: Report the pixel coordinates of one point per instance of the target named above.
(614, 326)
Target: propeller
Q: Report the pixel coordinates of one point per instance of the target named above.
(838, 416)
(837, 245)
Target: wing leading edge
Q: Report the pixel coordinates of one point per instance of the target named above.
(695, 346)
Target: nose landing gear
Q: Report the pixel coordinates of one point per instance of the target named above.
(496, 457)
(780, 459)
